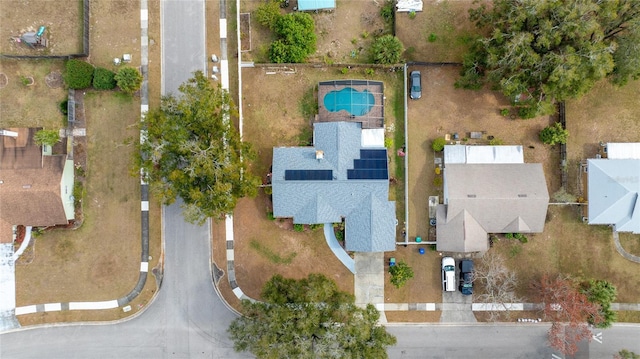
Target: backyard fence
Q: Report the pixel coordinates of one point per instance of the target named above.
(563, 147)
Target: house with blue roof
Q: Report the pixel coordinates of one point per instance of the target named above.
(342, 176)
(613, 187)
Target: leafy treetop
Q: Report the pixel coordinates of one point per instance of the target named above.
(192, 150)
(309, 318)
(541, 51)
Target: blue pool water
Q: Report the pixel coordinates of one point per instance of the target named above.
(353, 101)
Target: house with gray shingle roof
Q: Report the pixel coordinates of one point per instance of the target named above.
(487, 197)
(337, 178)
(614, 184)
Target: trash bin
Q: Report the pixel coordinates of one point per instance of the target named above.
(421, 250)
(418, 239)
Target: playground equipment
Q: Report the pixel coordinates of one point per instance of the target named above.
(33, 39)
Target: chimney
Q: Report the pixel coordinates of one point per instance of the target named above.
(319, 155)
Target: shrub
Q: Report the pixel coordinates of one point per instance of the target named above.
(400, 273)
(521, 237)
(78, 74)
(267, 14)
(496, 142)
(46, 137)
(386, 49)
(438, 144)
(553, 134)
(527, 112)
(298, 227)
(64, 107)
(103, 79)
(270, 216)
(129, 80)
(504, 112)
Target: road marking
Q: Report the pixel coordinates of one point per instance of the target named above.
(553, 356)
(598, 337)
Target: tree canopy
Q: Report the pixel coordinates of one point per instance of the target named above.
(603, 293)
(296, 38)
(541, 51)
(309, 318)
(192, 150)
(569, 310)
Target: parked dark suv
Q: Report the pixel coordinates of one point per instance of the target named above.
(466, 276)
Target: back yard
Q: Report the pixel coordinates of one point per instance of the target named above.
(63, 20)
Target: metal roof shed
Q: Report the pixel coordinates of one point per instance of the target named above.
(623, 150)
(311, 5)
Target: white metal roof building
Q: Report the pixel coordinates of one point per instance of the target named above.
(482, 154)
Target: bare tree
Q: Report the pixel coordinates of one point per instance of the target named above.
(499, 285)
(568, 309)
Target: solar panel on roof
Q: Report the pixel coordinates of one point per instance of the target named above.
(308, 175)
(373, 154)
(376, 163)
(379, 174)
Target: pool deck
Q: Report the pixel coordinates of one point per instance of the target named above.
(372, 119)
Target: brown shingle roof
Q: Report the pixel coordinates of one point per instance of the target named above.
(30, 194)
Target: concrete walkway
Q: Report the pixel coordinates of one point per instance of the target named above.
(337, 249)
(369, 281)
(622, 251)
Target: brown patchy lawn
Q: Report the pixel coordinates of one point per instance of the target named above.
(63, 20)
(440, 33)
(571, 247)
(34, 105)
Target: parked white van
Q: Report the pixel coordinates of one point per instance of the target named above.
(448, 274)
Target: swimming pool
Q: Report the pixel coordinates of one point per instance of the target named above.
(357, 103)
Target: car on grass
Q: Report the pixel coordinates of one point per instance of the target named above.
(448, 274)
(416, 85)
(466, 276)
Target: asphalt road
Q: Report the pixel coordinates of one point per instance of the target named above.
(514, 341)
(187, 320)
(183, 42)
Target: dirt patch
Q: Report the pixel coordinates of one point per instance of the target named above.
(53, 80)
(3, 80)
(62, 19)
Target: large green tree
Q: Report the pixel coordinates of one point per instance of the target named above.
(296, 38)
(601, 292)
(192, 150)
(309, 318)
(538, 52)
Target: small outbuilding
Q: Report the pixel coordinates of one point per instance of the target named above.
(313, 5)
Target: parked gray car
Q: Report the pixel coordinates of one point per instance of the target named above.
(416, 85)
